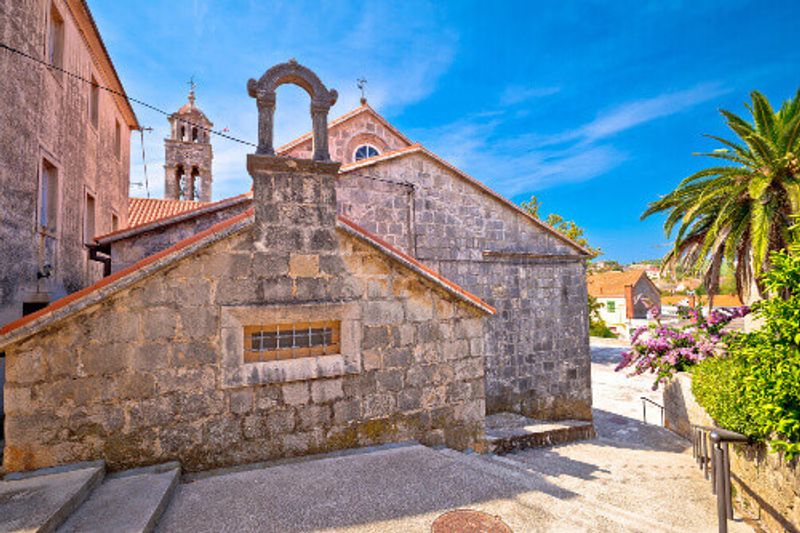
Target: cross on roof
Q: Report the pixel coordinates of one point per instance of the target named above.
(361, 83)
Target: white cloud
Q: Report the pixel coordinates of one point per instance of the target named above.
(638, 112)
(516, 94)
(533, 161)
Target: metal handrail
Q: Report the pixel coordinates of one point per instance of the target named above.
(711, 451)
(645, 401)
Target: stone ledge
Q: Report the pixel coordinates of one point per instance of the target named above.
(509, 432)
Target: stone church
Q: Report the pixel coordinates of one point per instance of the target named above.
(363, 291)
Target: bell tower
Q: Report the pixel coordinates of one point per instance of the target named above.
(188, 154)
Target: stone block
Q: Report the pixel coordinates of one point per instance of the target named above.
(150, 356)
(280, 422)
(313, 416)
(105, 359)
(303, 265)
(159, 323)
(382, 313)
(199, 323)
(390, 380)
(372, 360)
(345, 411)
(295, 393)
(241, 401)
(326, 390)
(25, 367)
(419, 308)
(379, 405)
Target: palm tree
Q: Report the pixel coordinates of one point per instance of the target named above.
(741, 211)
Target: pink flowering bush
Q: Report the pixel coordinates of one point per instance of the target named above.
(666, 350)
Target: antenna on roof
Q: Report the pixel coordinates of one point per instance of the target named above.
(361, 83)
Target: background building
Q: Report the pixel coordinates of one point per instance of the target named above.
(64, 152)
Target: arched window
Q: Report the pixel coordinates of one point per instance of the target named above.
(194, 135)
(364, 151)
(183, 133)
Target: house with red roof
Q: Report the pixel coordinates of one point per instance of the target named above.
(625, 298)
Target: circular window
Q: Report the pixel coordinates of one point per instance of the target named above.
(364, 151)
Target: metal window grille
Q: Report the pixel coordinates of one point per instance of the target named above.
(276, 342)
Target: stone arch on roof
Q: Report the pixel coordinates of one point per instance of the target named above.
(263, 90)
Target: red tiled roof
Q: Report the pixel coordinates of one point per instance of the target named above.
(144, 210)
(612, 283)
(720, 300)
(149, 260)
(202, 208)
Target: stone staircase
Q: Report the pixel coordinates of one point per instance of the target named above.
(510, 432)
(82, 498)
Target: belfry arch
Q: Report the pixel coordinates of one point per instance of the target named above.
(322, 99)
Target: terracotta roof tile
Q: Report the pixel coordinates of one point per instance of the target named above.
(612, 283)
(195, 208)
(145, 210)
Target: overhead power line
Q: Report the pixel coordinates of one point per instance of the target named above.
(118, 93)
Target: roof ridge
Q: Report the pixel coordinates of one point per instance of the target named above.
(418, 266)
(338, 120)
(417, 147)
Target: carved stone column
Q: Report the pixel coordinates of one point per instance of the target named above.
(266, 118)
(319, 128)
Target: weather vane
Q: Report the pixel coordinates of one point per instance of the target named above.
(361, 83)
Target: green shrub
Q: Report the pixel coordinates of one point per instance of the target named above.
(755, 389)
(600, 329)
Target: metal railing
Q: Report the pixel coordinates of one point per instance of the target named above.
(711, 451)
(645, 401)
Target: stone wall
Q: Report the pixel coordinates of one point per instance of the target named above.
(537, 348)
(129, 250)
(766, 487)
(45, 115)
(147, 375)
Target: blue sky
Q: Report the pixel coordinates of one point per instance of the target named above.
(595, 107)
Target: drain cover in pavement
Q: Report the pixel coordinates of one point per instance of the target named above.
(467, 521)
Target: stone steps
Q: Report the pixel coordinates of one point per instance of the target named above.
(510, 432)
(81, 498)
(41, 500)
(131, 501)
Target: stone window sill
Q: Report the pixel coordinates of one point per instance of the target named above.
(237, 373)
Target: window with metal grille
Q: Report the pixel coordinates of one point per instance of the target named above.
(275, 342)
(365, 151)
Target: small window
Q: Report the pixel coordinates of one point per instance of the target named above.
(365, 151)
(117, 139)
(277, 342)
(114, 222)
(55, 39)
(89, 219)
(94, 102)
(48, 197)
(611, 306)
